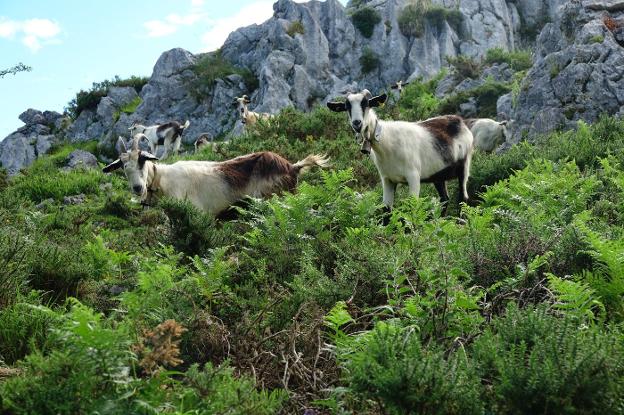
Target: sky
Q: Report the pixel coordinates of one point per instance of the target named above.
(72, 43)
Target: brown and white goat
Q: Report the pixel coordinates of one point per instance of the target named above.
(168, 135)
(210, 185)
(430, 151)
(204, 140)
(247, 117)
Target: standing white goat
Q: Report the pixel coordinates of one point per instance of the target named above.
(249, 117)
(488, 134)
(168, 135)
(434, 150)
(210, 185)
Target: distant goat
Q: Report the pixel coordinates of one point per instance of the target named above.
(204, 140)
(399, 86)
(488, 134)
(249, 117)
(168, 135)
(434, 150)
(209, 185)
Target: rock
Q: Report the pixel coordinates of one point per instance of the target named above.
(32, 116)
(24, 146)
(468, 109)
(81, 159)
(576, 75)
(504, 106)
(121, 96)
(74, 200)
(44, 204)
(51, 118)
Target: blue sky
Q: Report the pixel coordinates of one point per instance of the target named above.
(72, 43)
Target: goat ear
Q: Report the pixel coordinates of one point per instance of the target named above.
(121, 143)
(147, 156)
(395, 86)
(117, 164)
(337, 106)
(378, 100)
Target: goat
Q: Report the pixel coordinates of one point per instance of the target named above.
(247, 117)
(488, 134)
(399, 86)
(430, 151)
(166, 135)
(204, 140)
(210, 185)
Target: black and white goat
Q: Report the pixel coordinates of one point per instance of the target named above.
(430, 151)
(399, 86)
(168, 135)
(209, 185)
(247, 117)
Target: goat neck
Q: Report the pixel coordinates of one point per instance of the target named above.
(370, 132)
(153, 182)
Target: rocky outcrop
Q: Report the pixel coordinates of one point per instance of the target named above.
(29, 142)
(80, 159)
(578, 70)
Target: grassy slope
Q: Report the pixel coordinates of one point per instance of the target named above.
(306, 301)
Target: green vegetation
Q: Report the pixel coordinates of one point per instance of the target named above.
(129, 108)
(369, 61)
(89, 100)
(596, 39)
(414, 16)
(365, 19)
(14, 70)
(518, 60)
(486, 96)
(294, 28)
(514, 304)
(214, 66)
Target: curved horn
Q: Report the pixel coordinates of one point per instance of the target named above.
(121, 145)
(367, 93)
(137, 139)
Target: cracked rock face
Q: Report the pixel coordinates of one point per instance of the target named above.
(578, 71)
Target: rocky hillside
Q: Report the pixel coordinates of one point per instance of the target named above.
(309, 52)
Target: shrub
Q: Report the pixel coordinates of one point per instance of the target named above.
(365, 19)
(438, 15)
(294, 28)
(518, 60)
(89, 100)
(465, 66)
(537, 363)
(214, 66)
(392, 368)
(411, 21)
(369, 61)
(486, 96)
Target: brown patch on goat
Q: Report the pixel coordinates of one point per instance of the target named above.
(263, 165)
(444, 129)
(161, 131)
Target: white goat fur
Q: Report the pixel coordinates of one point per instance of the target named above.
(488, 134)
(172, 138)
(205, 183)
(249, 117)
(407, 152)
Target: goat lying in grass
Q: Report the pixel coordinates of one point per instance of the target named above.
(488, 134)
(168, 135)
(210, 185)
(430, 151)
(249, 117)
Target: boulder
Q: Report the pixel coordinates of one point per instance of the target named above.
(21, 148)
(32, 116)
(80, 159)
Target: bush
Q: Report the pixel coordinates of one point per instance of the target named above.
(365, 19)
(486, 96)
(518, 60)
(414, 17)
(214, 66)
(537, 363)
(392, 369)
(369, 61)
(89, 100)
(411, 21)
(294, 28)
(465, 66)
(438, 15)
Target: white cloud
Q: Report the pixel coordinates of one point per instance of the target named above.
(256, 12)
(157, 28)
(197, 3)
(34, 32)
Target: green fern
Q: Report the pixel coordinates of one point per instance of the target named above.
(576, 299)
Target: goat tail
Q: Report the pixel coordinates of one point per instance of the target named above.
(312, 160)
